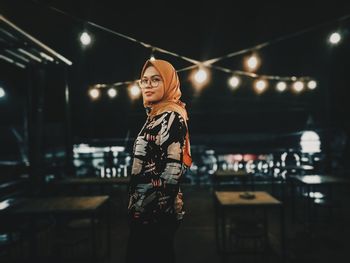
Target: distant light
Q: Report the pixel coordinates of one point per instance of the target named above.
(6, 203)
(94, 93)
(316, 195)
(237, 157)
(252, 62)
(312, 84)
(112, 92)
(32, 56)
(281, 86)
(312, 179)
(152, 58)
(334, 38)
(134, 91)
(310, 142)
(260, 86)
(2, 92)
(85, 39)
(298, 86)
(234, 82)
(47, 57)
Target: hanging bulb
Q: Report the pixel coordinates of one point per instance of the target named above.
(281, 86)
(112, 92)
(85, 38)
(134, 91)
(200, 77)
(94, 93)
(252, 62)
(298, 86)
(260, 86)
(312, 84)
(234, 82)
(334, 38)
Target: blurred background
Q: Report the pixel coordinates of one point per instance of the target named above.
(265, 85)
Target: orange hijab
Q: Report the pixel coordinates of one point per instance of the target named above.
(171, 99)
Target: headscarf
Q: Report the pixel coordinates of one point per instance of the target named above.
(171, 99)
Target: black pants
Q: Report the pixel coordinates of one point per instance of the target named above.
(151, 243)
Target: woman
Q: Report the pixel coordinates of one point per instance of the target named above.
(161, 156)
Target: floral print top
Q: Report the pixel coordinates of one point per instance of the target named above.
(157, 169)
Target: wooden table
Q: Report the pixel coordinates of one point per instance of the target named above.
(225, 200)
(73, 207)
(74, 184)
(230, 176)
(94, 181)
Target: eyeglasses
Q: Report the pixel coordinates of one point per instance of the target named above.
(154, 82)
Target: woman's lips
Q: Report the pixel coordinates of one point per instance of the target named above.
(149, 93)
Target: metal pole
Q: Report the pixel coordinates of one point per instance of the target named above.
(68, 141)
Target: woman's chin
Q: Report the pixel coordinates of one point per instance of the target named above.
(152, 101)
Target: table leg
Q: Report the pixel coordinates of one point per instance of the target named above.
(283, 234)
(223, 233)
(93, 233)
(216, 218)
(109, 213)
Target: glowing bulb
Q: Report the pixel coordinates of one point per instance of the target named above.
(152, 58)
(312, 84)
(252, 62)
(94, 93)
(260, 86)
(112, 92)
(281, 86)
(298, 86)
(85, 38)
(334, 38)
(134, 91)
(234, 82)
(2, 92)
(201, 76)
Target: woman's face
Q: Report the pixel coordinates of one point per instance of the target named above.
(152, 85)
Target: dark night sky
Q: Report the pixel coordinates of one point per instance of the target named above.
(200, 31)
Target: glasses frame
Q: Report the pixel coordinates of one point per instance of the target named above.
(150, 82)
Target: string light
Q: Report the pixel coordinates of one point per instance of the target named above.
(152, 57)
(312, 84)
(298, 86)
(112, 92)
(252, 62)
(2, 92)
(234, 82)
(85, 38)
(94, 93)
(334, 38)
(281, 86)
(260, 86)
(134, 91)
(200, 77)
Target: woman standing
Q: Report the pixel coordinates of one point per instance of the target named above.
(161, 155)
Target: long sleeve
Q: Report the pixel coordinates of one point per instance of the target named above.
(157, 168)
(172, 140)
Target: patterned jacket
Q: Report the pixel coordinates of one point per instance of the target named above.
(157, 169)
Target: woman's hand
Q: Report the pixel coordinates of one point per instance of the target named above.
(178, 203)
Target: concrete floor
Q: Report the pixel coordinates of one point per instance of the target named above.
(328, 241)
